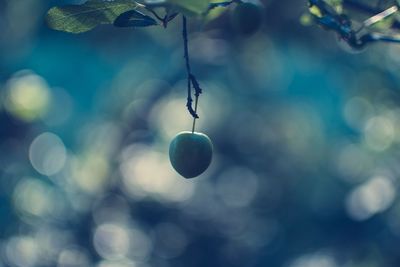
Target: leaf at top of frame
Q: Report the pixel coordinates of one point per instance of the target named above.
(191, 7)
(84, 17)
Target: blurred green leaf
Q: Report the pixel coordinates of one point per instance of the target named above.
(133, 18)
(82, 18)
(214, 13)
(191, 7)
(216, 9)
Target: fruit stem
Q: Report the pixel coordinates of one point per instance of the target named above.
(195, 110)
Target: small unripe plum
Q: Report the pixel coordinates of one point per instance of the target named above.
(190, 153)
(247, 18)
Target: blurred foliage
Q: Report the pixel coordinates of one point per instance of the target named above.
(306, 140)
(84, 17)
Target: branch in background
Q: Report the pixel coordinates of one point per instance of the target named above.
(369, 10)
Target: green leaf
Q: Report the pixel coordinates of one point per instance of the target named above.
(82, 18)
(133, 18)
(214, 13)
(191, 7)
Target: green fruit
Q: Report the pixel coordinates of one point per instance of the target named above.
(247, 18)
(190, 153)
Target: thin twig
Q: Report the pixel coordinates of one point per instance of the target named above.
(191, 79)
(186, 47)
(195, 110)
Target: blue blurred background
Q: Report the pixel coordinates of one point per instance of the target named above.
(306, 136)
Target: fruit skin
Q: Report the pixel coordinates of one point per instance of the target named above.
(247, 18)
(190, 153)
